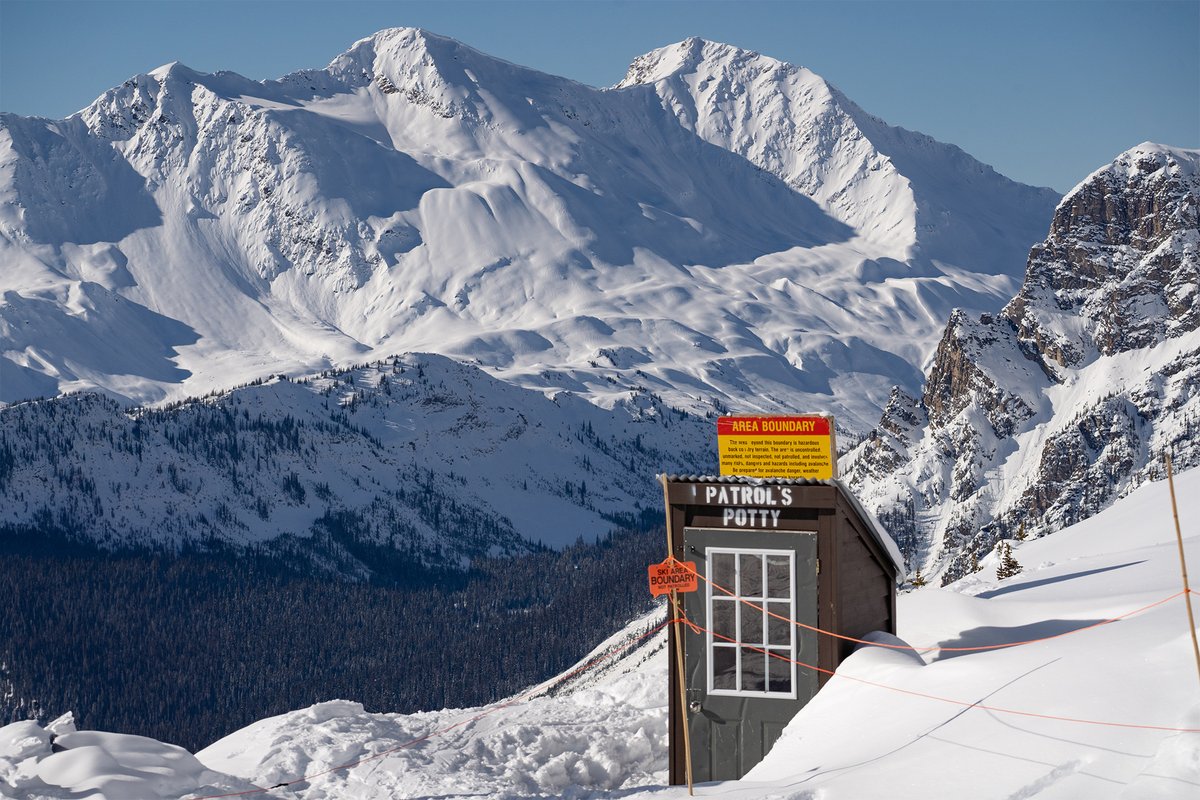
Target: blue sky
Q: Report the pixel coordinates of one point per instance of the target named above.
(1043, 91)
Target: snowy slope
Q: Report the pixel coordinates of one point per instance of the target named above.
(190, 231)
(607, 737)
(420, 456)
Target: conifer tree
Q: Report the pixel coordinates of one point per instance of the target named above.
(1009, 566)
(918, 580)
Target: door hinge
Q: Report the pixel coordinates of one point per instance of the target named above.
(818, 566)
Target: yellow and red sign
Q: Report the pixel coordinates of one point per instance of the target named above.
(672, 574)
(777, 447)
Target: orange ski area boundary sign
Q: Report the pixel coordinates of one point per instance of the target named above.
(672, 574)
(777, 447)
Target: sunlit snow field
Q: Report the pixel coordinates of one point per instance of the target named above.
(604, 734)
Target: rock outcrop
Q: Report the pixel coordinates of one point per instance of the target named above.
(1042, 415)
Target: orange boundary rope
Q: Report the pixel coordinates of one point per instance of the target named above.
(493, 709)
(976, 648)
(698, 629)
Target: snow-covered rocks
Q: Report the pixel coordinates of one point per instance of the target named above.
(1041, 415)
(1120, 269)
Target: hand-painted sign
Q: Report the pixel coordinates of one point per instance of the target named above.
(672, 574)
(777, 447)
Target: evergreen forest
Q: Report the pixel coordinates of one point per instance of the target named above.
(188, 647)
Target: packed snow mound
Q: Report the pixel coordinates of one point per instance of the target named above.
(579, 735)
(41, 764)
(418, 195)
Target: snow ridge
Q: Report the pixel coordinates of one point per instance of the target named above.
(419, 458)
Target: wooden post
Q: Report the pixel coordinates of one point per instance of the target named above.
(677, 629)
(687, 734)
(1187, 590)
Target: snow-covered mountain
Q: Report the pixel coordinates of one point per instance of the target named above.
(722, 228)
(1043, 414)
(919, 208)
(420, 460)
(878, 729)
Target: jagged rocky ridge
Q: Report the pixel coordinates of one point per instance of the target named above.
(1039, 416)
(723, 228)
(417, 462)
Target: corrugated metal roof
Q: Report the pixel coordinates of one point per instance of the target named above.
(746, 479)
(874, 527)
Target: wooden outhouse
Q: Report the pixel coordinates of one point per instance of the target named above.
(768, 551)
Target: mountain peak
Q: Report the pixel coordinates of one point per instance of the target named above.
(1117, 269)
(169, 69)
(687, 56)
(405, 39)
(401, 54)
(1140, 162)
(176, 73)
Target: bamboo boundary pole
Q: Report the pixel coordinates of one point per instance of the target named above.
(678, 632)
(1187, 590)
(687, 734)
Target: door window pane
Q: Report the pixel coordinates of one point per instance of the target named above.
(724, 660)
(750, 575)
(779, 631)
(779, 576)
(724, 620)
(722, 571)
(779, 672)
(754, 673)
(752, 624)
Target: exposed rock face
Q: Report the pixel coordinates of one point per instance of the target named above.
(885, 452)
(961, 373)
(1068, 399)
(1118, 271)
